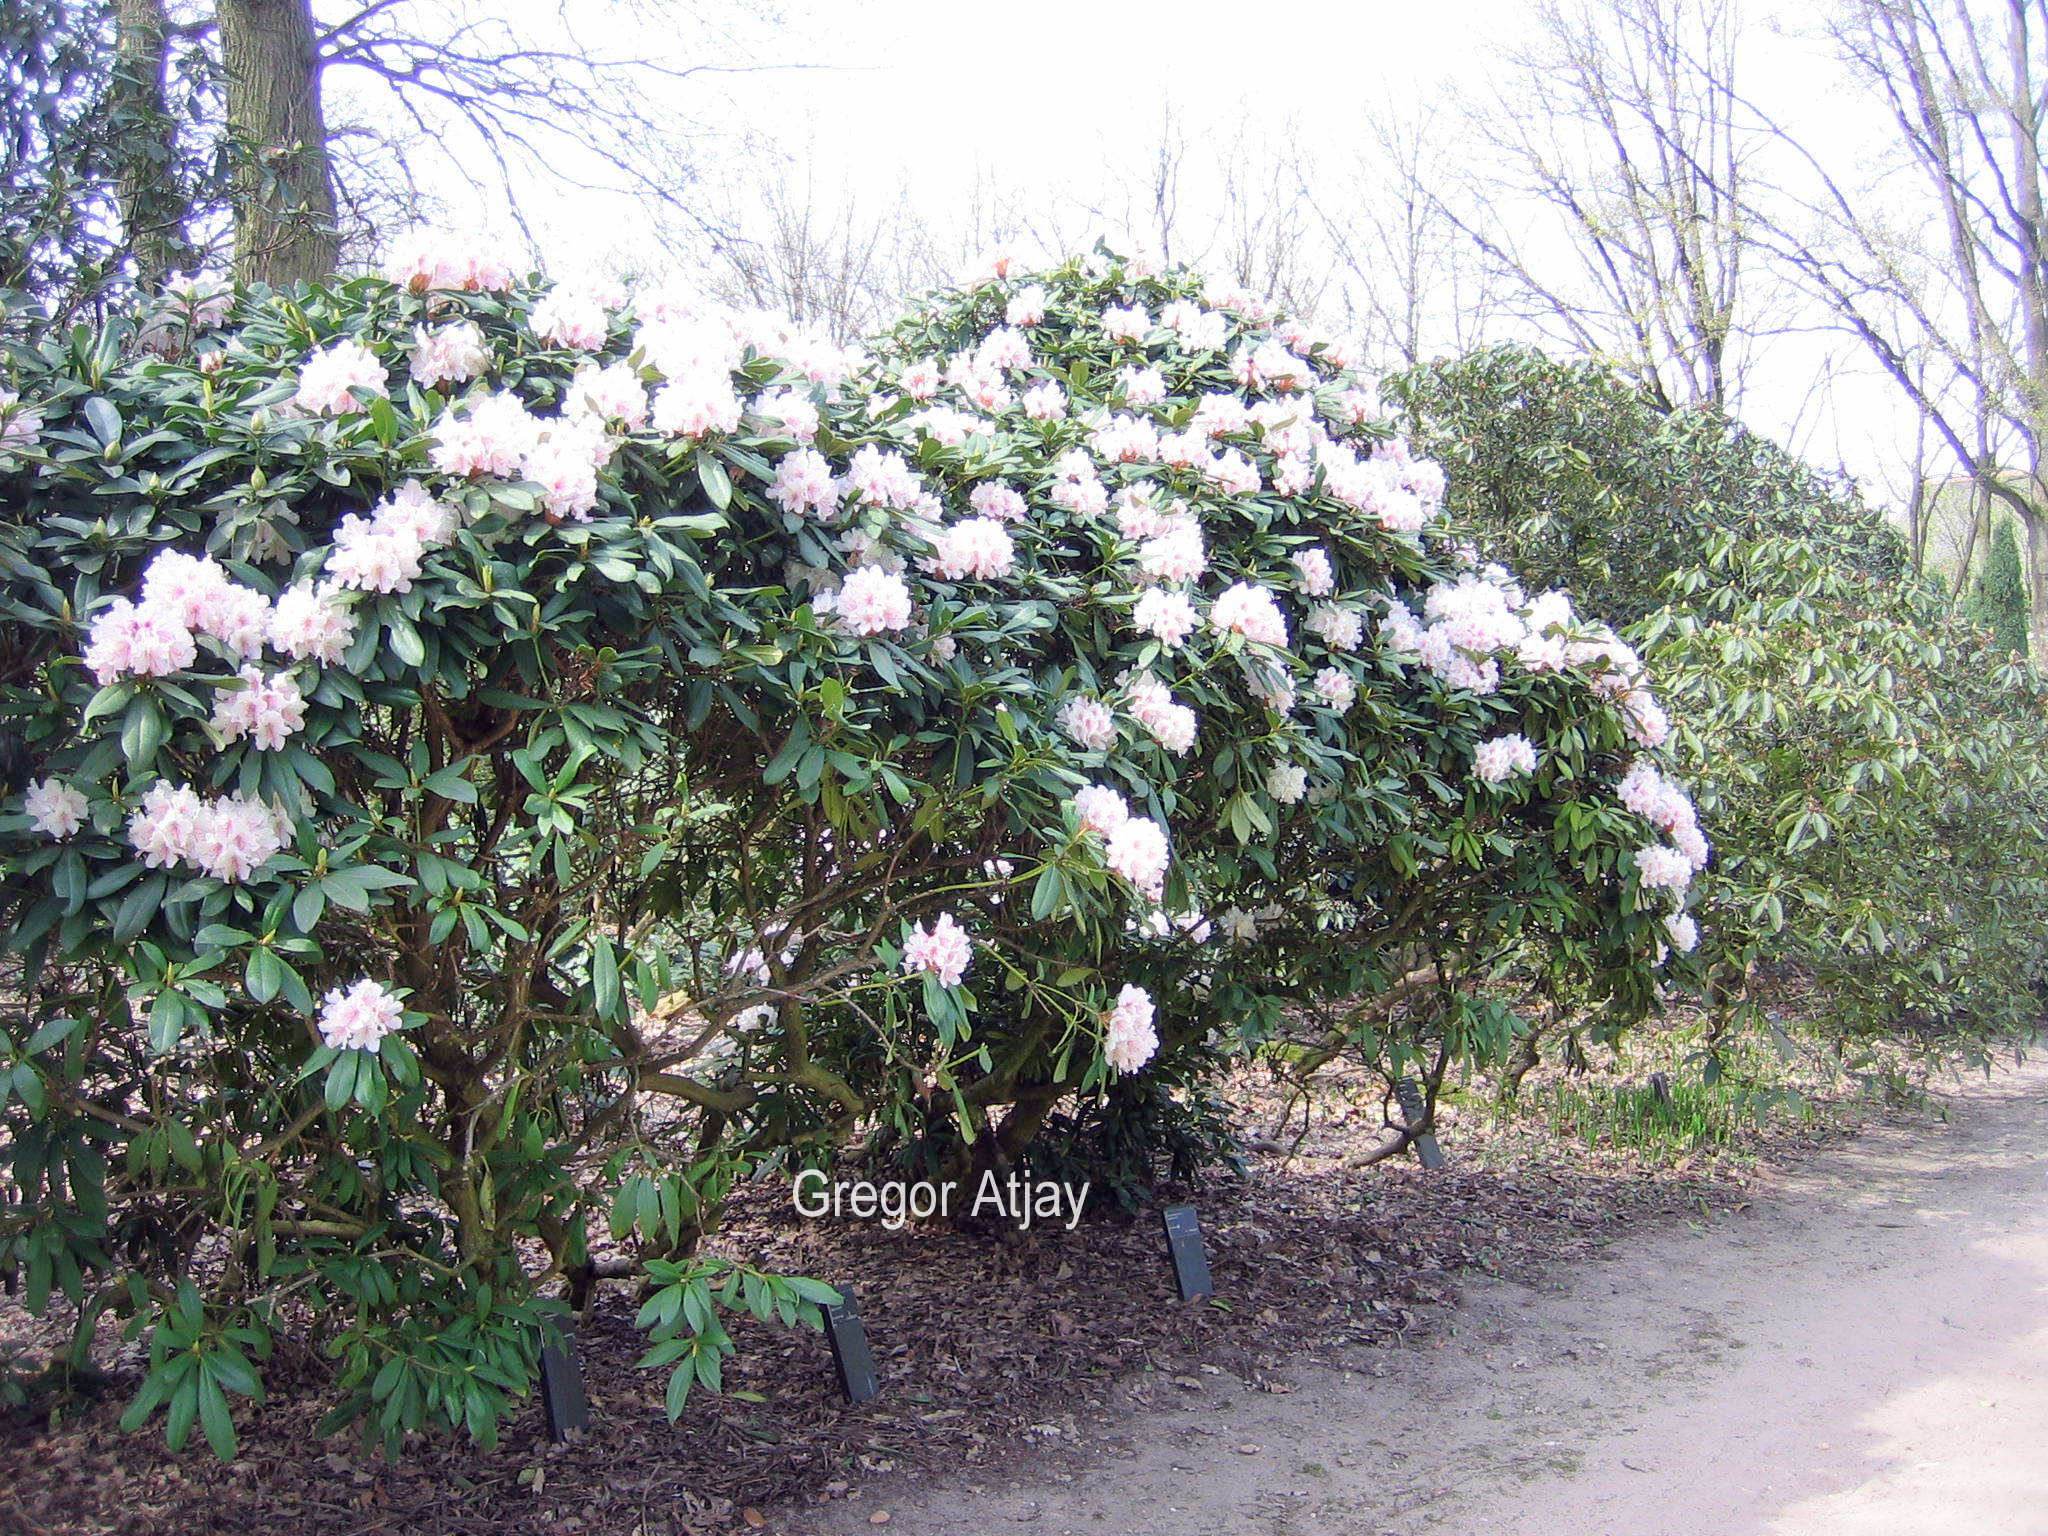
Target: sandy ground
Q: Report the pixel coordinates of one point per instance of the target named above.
(1860, 1351)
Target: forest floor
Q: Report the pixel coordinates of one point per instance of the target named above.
(1746, 1305)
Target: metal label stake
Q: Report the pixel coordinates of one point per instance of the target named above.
(1184, 1243)
(561, 1386)
(851, 1356)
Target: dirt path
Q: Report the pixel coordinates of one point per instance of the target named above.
(1861, 1352)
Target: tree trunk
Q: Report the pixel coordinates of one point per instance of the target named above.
(284, 194)
(2037, 587)
(155, 212)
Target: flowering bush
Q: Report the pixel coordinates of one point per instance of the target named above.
(505, 760)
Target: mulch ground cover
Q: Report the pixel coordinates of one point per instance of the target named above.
(991, 1345)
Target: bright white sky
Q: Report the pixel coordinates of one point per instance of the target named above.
(918, 101)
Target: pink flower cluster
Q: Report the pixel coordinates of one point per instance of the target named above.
(429, 260)
(1150, 703)
(382, 553)
(1496, 760)
(454, 354)
(54, 808)
(1169, 617)
(1248, 609)
(1101, 809)
(805, 485)
(945, 950)
(1286, 783)
(1317, 578)
(1129, 1038)
(329, 381)
(358, 1018)
(228, 839)
(872, 601)
(993, 499)
(181, 596)
(1136, 849)
(1338, 628)
(312, 623)
(1089, 722)
(569, 318)
(976, 547)
(269, 710)
(1666, 807)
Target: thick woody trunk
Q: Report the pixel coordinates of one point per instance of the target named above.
(155, 212)
(284, 203)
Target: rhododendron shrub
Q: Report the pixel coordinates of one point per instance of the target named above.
(506, 760)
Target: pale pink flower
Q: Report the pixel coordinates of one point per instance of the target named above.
(1089, 722)
(309, 624)
(454, 354)
(1317, 577)
(1127, 325)
(1233, 474)
(611, 393)
(329, 380)
(1125, 440)
(1643, 719)
(873, 601)
(999, 501)
(1662, 868)
(560, 464)
(1129, 1039)
(165, 827)
(54, 808)
(1101, 809)
(19, 425)
(883, 478)
(1683, 931)
(977, 547)
(144, 641)
(1174, 555)
(1338, 628)
(1286, 783)
(1136, 849)
(1004, 347)
(1171, 724)
(268, 710)
(239, 618)
(566, 318)
(804, 484)
(946, 426)
(1142, 386)
(1026, 307)
(1169, 617)
(797, 413)
(492, 439)
(1496, 760)
(697, 405)
(1248, 609)
(359, 1017)
(1085, 495)
(428, 259)
(921, 380)
(1220, 415)
(374, 557)
(945, 950)
(1045, 402)
(182, 587)
(1336, 688)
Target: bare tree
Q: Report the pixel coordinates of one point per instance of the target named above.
(1945, 254)
(1404, 273)
(1622, 130)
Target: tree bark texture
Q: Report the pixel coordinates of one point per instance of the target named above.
(155, 210)
(284, 202)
